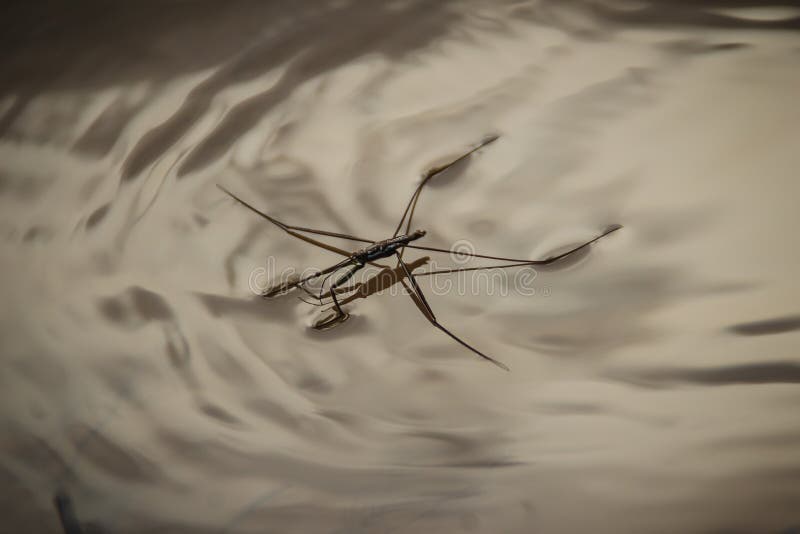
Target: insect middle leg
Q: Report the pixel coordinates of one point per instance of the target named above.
(322, 299)
(340, 316)
(341, 280)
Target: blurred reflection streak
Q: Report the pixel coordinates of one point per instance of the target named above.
(378, 32)
(392, 517)
(600, 410)
(127, 40)
(137, 306)
(254, 307)
(257, 502)
(598, 18)
(777, 325)
(757, 373)
(104, 132)
(66, 513)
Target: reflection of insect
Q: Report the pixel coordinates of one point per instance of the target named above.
(394, 246)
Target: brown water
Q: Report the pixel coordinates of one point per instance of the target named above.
(654, 380)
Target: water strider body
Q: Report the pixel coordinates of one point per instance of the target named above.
(387, 248)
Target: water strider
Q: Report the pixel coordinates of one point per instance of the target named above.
(387, 248)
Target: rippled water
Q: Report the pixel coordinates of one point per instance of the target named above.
(654, 380)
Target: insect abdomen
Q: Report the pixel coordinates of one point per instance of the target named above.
(383, 252)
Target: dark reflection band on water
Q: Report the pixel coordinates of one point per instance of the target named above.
(144, 389)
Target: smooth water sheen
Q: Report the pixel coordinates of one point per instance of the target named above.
(654, 379)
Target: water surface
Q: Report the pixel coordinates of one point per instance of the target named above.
(654, 379)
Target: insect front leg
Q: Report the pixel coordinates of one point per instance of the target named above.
(322, 299)
(340, 316)
(284, 286)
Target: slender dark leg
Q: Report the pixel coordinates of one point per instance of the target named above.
(322, 285)
(518, 263)
(430, 173)
(292, 230)
(330, 271)
(432, 317)
(340, 316)
(288, 285)
(336, 302)
(344, 278)
(408, 214)
(321, 299)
